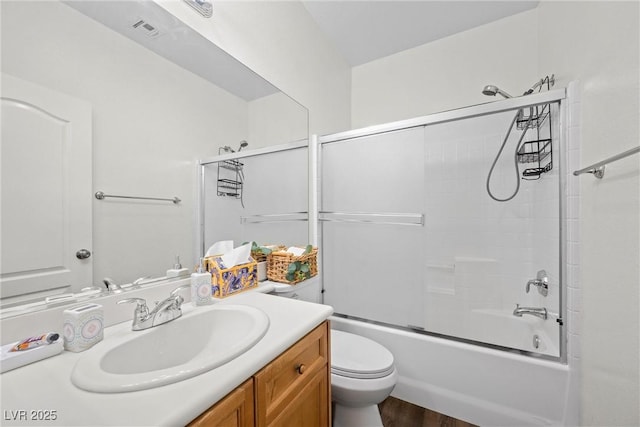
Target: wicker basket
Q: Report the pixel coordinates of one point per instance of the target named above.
(278, 263)
(258, 256)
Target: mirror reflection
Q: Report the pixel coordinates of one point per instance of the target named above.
(123, 98)
(270, 206)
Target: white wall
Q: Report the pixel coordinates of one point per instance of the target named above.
(448, 73)
(597, 43)
(276, 119)
(280, 41)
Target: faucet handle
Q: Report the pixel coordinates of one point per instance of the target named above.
(139, 280)
(141, 308)
(140, 301)
(541, 282)
(178, 289)
(177, 298)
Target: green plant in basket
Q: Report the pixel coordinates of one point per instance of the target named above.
(259, 253)
(256, 248)
(298, 270)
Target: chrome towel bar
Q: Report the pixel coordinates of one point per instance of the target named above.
(597, 169)
(100, 196)
(389, 218)
(280, 217)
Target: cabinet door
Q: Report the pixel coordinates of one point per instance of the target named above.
(293, 383)
(234, 410)
(309, 408)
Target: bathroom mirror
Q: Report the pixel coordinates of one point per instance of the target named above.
(159, 97)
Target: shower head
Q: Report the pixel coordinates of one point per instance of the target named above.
(243, 144)
(491, 90)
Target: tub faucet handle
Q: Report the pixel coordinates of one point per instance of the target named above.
(541, 282)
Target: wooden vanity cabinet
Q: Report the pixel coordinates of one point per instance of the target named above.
(293, 390)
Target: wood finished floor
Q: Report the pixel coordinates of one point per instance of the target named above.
(398, 413)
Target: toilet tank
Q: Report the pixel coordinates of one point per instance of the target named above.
(308, 290)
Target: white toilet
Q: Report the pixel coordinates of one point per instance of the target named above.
(362, 371)
(362, 375)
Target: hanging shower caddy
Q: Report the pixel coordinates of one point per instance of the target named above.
(538, 153)
(230, 178)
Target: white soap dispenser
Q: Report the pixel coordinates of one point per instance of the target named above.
(177, 270)
(201, 286)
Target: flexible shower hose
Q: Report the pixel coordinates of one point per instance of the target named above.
(515, 158)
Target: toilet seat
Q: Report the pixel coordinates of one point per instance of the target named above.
(354, 356)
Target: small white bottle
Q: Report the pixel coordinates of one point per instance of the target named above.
(201, 286)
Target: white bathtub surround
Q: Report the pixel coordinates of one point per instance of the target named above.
(46, 384)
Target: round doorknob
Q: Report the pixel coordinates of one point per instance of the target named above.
(301, 368)
(83, 254)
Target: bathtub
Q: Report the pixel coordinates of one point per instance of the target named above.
(480, 385)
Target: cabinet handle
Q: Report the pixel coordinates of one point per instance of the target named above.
(301, 368)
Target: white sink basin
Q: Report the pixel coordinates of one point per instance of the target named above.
(197, 342)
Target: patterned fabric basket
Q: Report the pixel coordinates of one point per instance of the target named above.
(229, 281)
(281, 264)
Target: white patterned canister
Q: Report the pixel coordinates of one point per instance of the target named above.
(83, 327)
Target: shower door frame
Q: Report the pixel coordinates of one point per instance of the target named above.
(558, 96)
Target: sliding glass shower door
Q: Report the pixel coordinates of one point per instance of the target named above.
(411, 237)
(371, 215)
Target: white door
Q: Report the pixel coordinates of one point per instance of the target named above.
(46, 190)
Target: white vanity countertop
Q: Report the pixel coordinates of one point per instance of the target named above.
(32, 390)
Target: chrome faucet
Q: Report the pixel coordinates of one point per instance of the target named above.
(540, 312)
(164, 311)
(112, 286)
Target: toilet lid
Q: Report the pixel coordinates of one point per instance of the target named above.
(355, 356)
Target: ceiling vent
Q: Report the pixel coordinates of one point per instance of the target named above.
(145, 27)
(203, 7)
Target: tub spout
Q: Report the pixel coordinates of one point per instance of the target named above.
(540, 312)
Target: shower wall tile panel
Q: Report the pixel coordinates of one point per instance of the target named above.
(574, 287)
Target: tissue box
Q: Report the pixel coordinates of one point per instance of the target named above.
(83, 327)
(229, 281)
